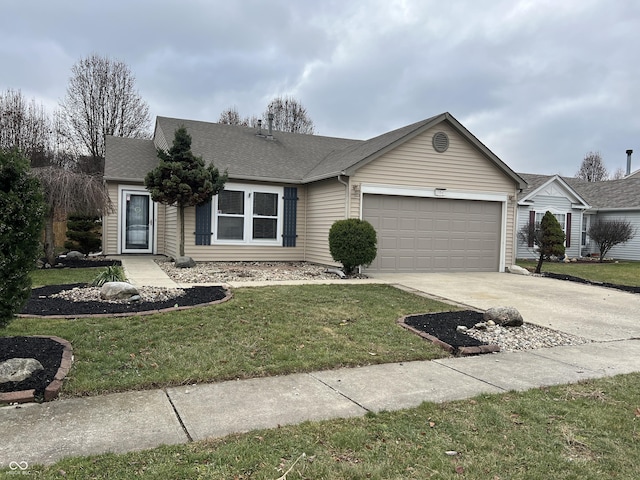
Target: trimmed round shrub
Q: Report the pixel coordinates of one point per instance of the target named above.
(353, 242)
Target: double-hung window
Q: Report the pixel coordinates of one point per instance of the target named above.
(247, 214)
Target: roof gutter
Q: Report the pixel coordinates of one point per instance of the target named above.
(347, 198)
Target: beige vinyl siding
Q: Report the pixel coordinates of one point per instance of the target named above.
(246, 253)
(171, 232)
(462, 168)
(326, 204)
(110, 223)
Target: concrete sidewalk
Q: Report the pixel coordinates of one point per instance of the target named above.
(122, 422)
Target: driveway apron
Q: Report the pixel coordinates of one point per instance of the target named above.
(596, 313)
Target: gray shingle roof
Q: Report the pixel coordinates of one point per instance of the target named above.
(129, 158)
(624, 193)
(287, 158)
(245, 155)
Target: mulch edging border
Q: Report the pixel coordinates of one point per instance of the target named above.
(228, 296)
(53, 389)
(461, 351)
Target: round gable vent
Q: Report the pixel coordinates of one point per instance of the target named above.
(440, 142)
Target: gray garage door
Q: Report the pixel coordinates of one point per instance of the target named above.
(434, 234)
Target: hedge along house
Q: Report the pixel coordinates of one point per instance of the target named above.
(438, 198)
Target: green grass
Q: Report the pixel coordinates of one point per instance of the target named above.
(260, 332)
(621, 273)
(583, 431)
(63, 276)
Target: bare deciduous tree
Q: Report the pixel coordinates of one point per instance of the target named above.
(102, 100)
(608, 233)
(26, 126)
(592, 168)
(68, 191)
(618, 174)
(231, 116)
(289, 115)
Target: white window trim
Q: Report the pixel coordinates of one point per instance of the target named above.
(249, 190)
(554, 211)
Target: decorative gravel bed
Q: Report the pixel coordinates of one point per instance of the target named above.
(223, 272)
(443, 326)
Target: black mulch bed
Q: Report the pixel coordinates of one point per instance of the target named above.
(40, 302)
(84, 262)
(443, 326)
(48, 352)
(571, 278)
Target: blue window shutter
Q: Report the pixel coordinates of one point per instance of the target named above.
(289, 217)
(568, 229)
(203, 223)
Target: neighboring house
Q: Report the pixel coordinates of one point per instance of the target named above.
(438, 198)
(576, 204)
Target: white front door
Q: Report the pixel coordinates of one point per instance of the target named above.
(136, 228)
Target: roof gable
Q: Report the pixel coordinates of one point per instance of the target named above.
(349, 160)
(549, 185)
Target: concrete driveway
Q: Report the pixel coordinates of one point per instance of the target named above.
(596, 313)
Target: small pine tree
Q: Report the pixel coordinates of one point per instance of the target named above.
(551, 239)
(182, 179)
(83, 232)
(21, 219)
(352, 242)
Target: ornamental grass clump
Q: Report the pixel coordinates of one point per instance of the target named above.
(113, 273)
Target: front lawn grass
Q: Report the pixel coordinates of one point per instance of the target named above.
(261, 331)
(621, 273)
(63, 276)
(583, 431)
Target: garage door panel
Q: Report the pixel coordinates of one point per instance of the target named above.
(434, 234)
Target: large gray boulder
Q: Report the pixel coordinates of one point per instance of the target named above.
(74, 255)
(18, 369)
(185, 262)
(518, 270)
(505, 316)
(118, 291)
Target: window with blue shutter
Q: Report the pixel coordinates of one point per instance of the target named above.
(203, 223)
(289, 217)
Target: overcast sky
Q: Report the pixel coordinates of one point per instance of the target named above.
(540, 83)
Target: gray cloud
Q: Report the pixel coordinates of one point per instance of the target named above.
(540, 83)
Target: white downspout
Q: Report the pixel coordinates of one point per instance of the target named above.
(347, 197)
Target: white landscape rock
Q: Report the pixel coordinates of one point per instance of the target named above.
(518, 270)
(18, 369)
(118, 291)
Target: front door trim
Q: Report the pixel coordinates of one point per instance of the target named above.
(123, 191)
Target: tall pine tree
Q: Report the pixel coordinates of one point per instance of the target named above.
(182, 179)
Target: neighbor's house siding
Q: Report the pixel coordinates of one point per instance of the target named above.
(625, 251)
(326, 204)
(218, 252)
(416, 164)
(542, 203)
